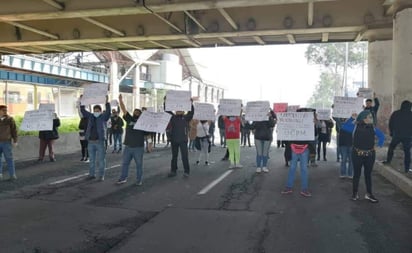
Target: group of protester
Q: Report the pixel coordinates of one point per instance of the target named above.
(355, 139)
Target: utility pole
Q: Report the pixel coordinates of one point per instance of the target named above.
(345, 72)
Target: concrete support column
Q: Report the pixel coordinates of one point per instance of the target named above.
(402, 57)
(380, 78)
(114, 80)
(136, 88)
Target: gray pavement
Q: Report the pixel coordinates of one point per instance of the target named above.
(245, 212)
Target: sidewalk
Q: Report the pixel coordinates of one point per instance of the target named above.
(394, 172)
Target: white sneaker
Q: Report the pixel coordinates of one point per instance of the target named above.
(239, 166)
(258, 170)
(264, 169)
(231, 166)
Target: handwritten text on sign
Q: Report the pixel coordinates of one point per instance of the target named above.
(204, 111)
(344, 107)
(153, 121)
(365, 93)
(94, 93)
(37, 120)
(178, 100)
(323, 114)
(293, 108)
(230, 107)
(295, 126)
(280, 107)
(257, 110)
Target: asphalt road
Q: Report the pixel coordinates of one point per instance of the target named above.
(52, 208)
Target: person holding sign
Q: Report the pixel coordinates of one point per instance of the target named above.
(232, 133)
(363, 150)
(373, 109)
(324, 129)
(47, 139)
(203, 140)
(263, 138)
(8, 135)
(96, 136)
(133, 145)
(179, 129)
(117, 131)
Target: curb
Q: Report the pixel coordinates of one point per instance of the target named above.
(395, 177)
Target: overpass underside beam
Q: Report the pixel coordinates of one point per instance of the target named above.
(106, 24)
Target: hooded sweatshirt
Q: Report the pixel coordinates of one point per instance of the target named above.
(400, 122)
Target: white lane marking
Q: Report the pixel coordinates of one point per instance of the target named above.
(214, 183)
(78, 176)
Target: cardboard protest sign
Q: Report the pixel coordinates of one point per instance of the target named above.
(204, 111)
(293, 108)
(365, 93)
(37, 120)
(324, 114)
(344, 107)
(230, 107)
(295, 126)
(280, 107)
(47, 107)
(178, 100)
(153, 121)
(257, 110)
(94, 93)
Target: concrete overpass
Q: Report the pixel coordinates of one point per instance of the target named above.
(41, 26)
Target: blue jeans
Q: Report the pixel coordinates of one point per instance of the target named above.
(97, 149)
(303, 158)
(346, 165)
(136, 154)
(262, 152)
(117, 141)
(6, 149)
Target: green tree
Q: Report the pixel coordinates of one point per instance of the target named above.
(334, 60)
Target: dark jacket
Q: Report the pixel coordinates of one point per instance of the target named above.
(263, 129)
(82, 127)
(117, 124)
(220, 122)
(325, 137)
(51, 134)
(8, 129)
(179, 126)
(374, 110)
(363, 134)
(400, 122)
(100, 122)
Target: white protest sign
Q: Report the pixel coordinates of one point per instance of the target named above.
(324, 114)
(293, 108)
(365, 93)
(37, 120)
(230, 107)
(47, 107)
(204, 111)
(94, 93)
(153, 121)
(295, 126)
(178, 100)
(344, 107)
(257, 110)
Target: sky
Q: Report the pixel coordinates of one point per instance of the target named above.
(278, 73)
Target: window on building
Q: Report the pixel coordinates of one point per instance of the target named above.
(30, 97)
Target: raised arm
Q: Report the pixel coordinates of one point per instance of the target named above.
(106, 114)
(121, 104)
(348, 126)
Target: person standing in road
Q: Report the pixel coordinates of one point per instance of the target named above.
(324, 129)
(344, 140)
(47, 139)
(179, 129)
(96, 136)
(133, 145)
(8, 137)
(221, 126)
(263, 139)
(202, 135)
(373, 108)
(117, 131)
(363, 152)
(232, 133)
(82, 136)
(400, 129)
